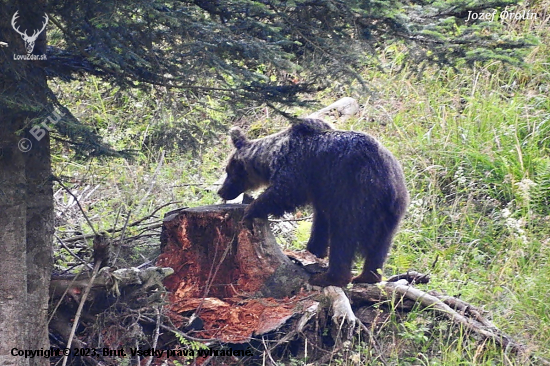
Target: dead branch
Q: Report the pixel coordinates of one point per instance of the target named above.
(72, 253)
(464, 308)
(345, 108)
(436, 304)
(412, 277)
(305, 218)
(155, 335)
(116, 230)
(343, 318)
(470, 317)
(79, 206)
(80, 307)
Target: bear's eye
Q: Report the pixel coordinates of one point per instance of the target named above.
(235, 168)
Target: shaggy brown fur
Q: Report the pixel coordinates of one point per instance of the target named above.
(355, 185)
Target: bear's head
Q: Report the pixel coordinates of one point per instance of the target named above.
(240, 177)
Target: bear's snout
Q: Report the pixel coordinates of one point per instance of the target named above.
(227, 192)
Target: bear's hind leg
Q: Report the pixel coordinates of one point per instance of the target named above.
(340, 259)
(319, 240)
(375, 254)
(370, 273)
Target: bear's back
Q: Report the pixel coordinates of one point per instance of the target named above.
(353, 161)
(336, 145)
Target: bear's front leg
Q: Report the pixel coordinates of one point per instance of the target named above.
(274, 200)
(319, 240)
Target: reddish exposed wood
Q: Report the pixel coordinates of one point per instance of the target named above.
(236, 320)
(228, 274)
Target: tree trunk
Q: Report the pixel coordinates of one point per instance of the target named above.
(26, 205)
(13, 277)
(39, 221)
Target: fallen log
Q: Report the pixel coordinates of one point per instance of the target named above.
(440, 305)
(110, 280)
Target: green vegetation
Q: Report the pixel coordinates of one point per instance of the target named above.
(475, 146)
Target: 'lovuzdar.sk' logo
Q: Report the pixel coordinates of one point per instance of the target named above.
(29, 40)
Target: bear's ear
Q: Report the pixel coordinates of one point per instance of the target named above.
(238, 137)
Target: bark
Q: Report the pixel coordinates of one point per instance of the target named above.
(26, 206)
(13, 277)
(39, 221)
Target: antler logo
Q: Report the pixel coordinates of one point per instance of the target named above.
(29, 40)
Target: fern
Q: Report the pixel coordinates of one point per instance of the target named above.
(540, 196)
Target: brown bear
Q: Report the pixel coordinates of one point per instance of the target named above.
(355, 185)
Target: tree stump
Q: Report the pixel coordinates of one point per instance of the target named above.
(214, 255)
(238, 282)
